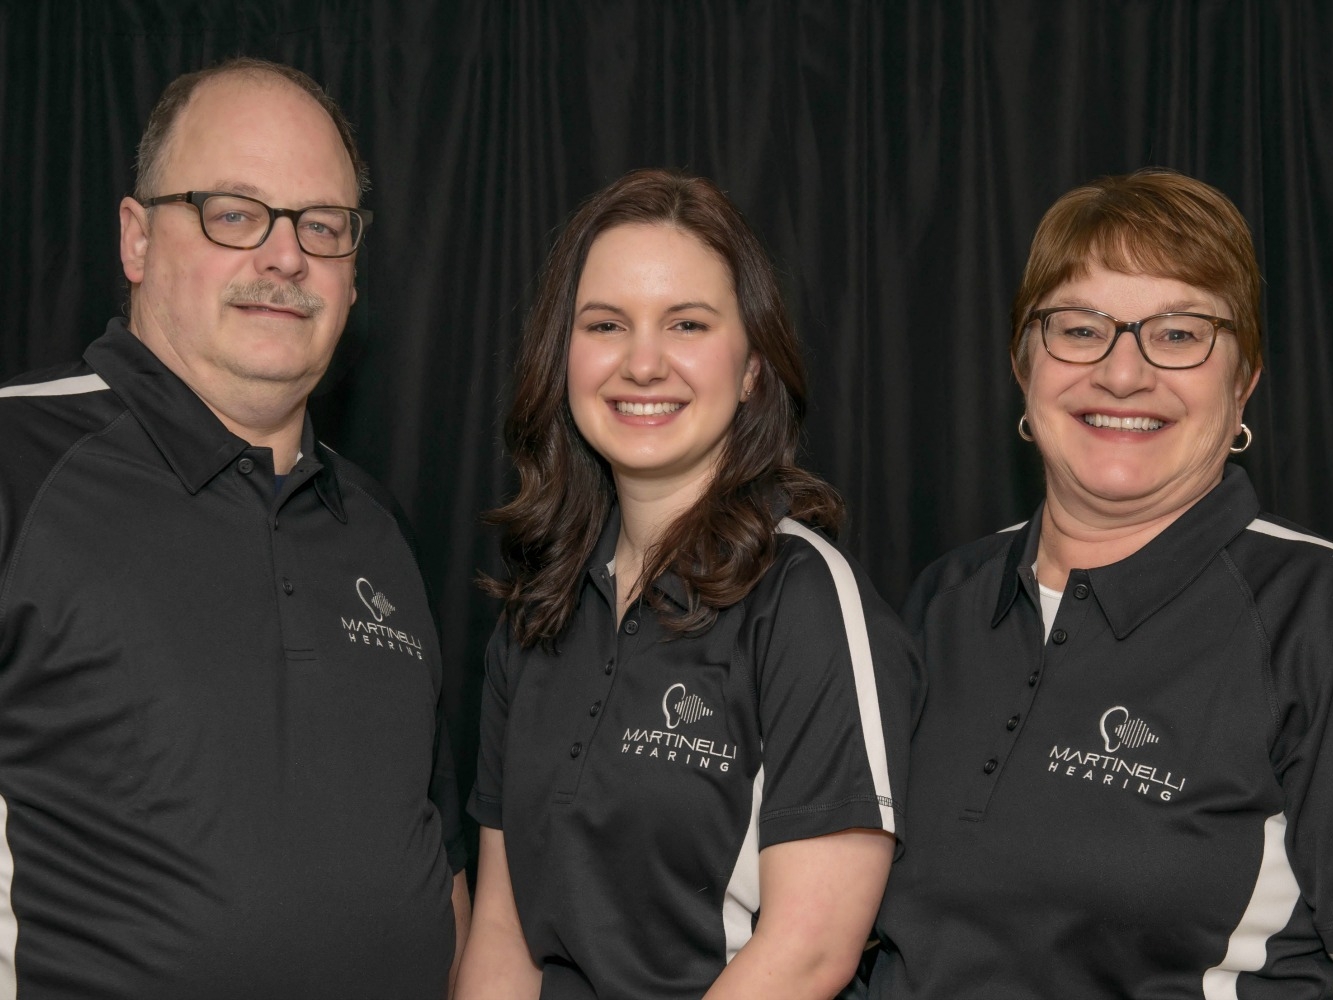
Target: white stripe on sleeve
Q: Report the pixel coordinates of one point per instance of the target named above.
(9, 928)
(1269, 910)
(73, 386)
(741, 901)
(1277, 531)
(863, 669)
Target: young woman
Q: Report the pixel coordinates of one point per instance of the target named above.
(696, 708)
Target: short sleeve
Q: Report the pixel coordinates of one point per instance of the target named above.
(835, 672)
(1303, 762)
(484, 804)
(444, 794)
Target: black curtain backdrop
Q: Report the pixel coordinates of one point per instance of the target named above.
(895, 156)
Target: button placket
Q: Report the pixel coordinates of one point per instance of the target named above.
(1068, 620)
(597, 684)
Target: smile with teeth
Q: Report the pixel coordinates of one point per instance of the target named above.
(645, 409)
(1122, 423)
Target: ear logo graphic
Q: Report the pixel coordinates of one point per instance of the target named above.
(680, 707)
(1118, 730)
(376, 603)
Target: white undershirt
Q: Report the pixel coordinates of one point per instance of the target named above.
(1050, 604)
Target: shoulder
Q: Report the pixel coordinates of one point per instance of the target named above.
(1284, 566)
(358, 484)
(979, 559)
(815, 585)
(808, 560)
(1288, 573)
(44, 417)
(1268, 535)
(71, 398)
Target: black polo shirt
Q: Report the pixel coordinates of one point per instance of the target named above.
(638, 776)
(223, 766)
(1141, 806)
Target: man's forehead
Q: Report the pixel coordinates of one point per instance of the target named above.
(262, 119)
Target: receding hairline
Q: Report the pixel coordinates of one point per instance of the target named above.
(264, 78)
(262, 73)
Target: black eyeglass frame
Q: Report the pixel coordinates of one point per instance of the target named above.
(197, 199)
(1134, 327)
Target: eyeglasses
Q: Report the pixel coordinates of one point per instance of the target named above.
(1166, 340)
(241, 223)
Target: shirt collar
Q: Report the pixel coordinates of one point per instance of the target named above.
(604, 553)
(1132, 590)
(191, 438)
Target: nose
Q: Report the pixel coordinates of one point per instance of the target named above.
(281, 252)
(1125, 370)
(645, 359)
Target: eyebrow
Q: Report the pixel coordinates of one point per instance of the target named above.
(1180, 305)
(237, 187)
(250, 191)
(595, 306)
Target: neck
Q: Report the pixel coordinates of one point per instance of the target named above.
(267, 413)
(282, 437)
(1075, 535)
(647, 511)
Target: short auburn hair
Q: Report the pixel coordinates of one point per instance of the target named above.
(1154, 221)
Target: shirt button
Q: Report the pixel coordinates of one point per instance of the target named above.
(990, 766)
(610, 665)
(576, 749)
(245, 466)
(1081, 591)
(287, 587)
(631, 627)
(1032, 679)
(1012, 724)
(594, 708)
(1059, 636)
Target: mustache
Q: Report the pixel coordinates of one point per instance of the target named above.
(270, 293)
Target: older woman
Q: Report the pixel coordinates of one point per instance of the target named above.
(696, 707)
(1122, 783)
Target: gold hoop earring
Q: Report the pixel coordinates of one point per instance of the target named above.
(1249, 439)
(1025, 429)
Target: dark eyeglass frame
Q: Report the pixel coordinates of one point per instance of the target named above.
(1134, 327)
(197, 198)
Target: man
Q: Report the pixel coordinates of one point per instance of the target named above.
(223, 765)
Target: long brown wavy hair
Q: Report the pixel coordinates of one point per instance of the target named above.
(722, 545)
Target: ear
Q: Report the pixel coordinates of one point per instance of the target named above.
(133, 239)
(1245, 389)
(751, 377)
(1018, 375)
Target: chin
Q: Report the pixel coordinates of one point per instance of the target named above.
(273, 370)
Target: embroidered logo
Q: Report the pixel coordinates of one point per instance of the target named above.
(1124, 731)
(376, 603)
(700, 750)
(1119, 731)
(372, 631)
(680, 707)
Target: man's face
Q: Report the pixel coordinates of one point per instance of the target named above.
(242, 327)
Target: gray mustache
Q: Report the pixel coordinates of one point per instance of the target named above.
(265, 292)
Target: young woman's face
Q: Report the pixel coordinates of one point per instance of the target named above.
(658, 358)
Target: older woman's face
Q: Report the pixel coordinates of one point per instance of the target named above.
(1121, 438)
